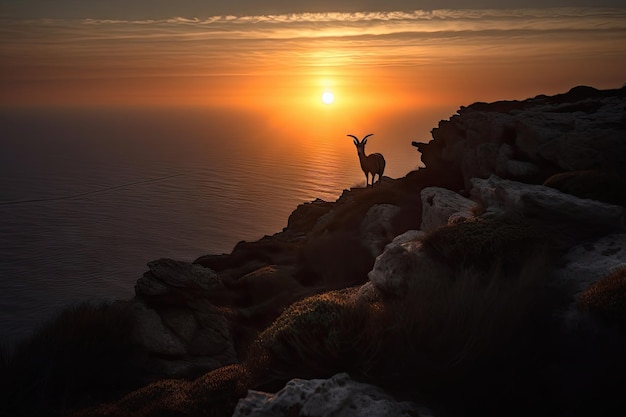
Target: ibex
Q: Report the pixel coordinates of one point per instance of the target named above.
(370, 164)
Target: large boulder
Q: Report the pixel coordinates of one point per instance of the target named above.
(176, 323)
(593, 184)
(183, 341)
(538, 201)
(439, 206)
(338, 396)
(165, 275)
(376, 228)
(152, 334)
(588, 262)
(402, 266)
(306, 215)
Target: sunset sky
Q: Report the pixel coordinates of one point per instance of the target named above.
(385, 56)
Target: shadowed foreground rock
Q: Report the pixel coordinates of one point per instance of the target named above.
(338, 396)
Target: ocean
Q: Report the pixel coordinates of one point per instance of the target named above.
(89, 196)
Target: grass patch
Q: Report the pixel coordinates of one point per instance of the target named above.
(482, 333)
(607, 298)
(484, 242)
(316, 338)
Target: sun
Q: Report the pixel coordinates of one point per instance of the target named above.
(328, 97)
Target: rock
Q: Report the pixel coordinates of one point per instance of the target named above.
(306, 215)
(266, 283)
(538, 201)
(186, 340)
(508, 167)
(532, 139)
(585, 265)
(589, 262)
(402, 266)
(439, 204)
(408, 236)
(339, 396)
(376, 228)
(165, 274)
(278, 249)
(595, 185)
(152, 334)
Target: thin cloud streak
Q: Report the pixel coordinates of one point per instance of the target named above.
(316, 25)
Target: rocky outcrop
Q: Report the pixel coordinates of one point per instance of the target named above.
(338, 396)
(166, 275)
(538, 201)
(532, 139)
(175, 321)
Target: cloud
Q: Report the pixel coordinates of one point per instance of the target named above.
(222, 45)
(321, 25)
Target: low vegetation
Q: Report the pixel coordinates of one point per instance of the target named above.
(485, 242)
(607, 298)
(317, 337)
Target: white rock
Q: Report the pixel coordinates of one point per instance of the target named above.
(401, 266)
(545, 202)
(338, 396)
(408, 236)
(376, 229)
(439, 204)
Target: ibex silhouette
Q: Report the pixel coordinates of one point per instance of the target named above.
(370, 164)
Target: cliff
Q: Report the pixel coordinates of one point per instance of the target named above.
(495, 273)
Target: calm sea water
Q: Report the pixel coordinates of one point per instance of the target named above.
(88, 197)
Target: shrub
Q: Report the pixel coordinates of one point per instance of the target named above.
(481, 335)
(484, 242)
(215, 394)
(607, 297)
(336, 261)
(316, 338)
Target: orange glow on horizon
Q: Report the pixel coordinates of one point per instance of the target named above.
(281, 65)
